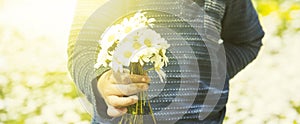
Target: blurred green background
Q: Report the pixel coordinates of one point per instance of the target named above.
(35, 86)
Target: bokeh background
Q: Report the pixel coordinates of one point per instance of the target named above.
(35, 87)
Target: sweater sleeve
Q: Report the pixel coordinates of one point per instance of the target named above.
(83, 55)
(242, 35)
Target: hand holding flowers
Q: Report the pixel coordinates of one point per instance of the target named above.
(114, 89)
(130, 44)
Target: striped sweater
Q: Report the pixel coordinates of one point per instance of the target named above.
(195, 27)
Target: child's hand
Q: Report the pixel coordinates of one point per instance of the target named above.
(118, 90)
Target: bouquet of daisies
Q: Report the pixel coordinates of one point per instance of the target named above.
(132, 43)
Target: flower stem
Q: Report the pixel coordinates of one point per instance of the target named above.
(136, 112)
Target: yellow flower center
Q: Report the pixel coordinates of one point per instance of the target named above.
(135, 37)
(111, 38)
(147, 42)
(128, 29)
(136, 45)
(127, 54)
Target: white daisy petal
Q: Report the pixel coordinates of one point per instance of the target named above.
(135, 42)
